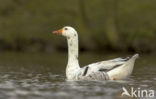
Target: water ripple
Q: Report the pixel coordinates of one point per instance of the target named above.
(21, 85)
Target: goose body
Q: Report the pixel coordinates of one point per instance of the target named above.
(114, 69)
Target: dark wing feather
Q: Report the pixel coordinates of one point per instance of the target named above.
(107, 70)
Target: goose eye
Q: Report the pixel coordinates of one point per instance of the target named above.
(66, 29)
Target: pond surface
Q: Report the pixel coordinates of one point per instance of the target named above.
(42, 76)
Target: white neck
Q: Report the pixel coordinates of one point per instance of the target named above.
(73, 63)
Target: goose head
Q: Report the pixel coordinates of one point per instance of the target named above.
(66, 31)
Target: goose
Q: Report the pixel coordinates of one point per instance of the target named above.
(114, 69)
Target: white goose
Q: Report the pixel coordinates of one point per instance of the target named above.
(115, 69)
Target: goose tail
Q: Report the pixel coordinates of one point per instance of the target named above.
(132, 59)
(135, 56)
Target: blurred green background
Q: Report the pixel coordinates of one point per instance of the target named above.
(103, 25)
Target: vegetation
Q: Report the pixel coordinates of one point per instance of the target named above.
(103, 25)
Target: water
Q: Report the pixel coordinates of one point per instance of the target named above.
(42, 76)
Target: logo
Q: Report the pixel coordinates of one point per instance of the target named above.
(138, 92)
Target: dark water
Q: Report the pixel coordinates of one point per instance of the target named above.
(42, 76)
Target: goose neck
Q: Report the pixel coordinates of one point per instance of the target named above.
(72, 50)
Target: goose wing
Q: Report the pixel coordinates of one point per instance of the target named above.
(109, 64)
(104, 66)
(98, 70)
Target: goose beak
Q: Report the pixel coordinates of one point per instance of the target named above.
(58, 32)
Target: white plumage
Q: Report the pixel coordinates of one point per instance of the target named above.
(114, 69)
